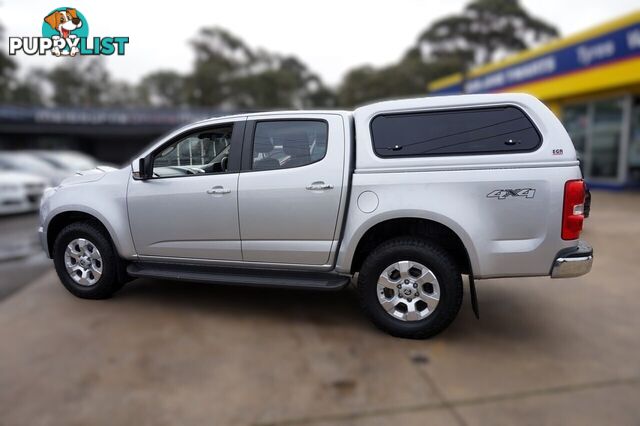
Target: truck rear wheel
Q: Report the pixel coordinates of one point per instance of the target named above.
(86, 261)
(410, 287)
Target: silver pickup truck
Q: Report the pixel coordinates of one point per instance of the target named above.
(402, 196)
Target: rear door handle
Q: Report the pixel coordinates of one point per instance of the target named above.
(218, 190)
(319, 186)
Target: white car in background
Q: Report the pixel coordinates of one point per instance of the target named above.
(71, 161)
(20, 192)
(28, 163)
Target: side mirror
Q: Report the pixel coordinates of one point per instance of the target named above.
(145, 168)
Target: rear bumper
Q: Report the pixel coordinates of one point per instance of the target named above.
(573, 261)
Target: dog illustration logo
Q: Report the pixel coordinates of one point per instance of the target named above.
(65, 23)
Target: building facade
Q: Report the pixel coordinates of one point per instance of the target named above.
(109, 134)
(591, 80)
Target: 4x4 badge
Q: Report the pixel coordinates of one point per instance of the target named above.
(501, 194)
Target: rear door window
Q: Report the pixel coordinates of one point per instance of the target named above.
(284, 144)
(492, 130)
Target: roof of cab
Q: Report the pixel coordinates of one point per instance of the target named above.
(274, 112)
(396, 104)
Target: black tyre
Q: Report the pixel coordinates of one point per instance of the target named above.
(410, 287)
(86, 262)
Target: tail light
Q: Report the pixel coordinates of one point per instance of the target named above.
(573, 209)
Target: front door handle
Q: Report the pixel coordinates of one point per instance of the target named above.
(218, 190)
(319, 186)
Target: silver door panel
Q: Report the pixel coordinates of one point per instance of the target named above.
(221, 250)
(287, 251)
(182, 217)
(289, 215)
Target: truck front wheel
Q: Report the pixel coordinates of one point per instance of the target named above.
(86, 261)
(410, 287)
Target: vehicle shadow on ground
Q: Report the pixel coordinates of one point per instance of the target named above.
(261, 303)
(504, 313)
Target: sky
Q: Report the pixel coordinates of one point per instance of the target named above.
(330, 36)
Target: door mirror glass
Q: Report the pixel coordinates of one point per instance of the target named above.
(141, 172)
(144, 171)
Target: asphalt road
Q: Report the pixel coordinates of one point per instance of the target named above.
(552, 352)
(21, 257)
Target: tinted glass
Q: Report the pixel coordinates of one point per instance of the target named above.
(197, 153)
(575, 120)
(634, 143)
(606, 135)
(286, 144)
(473, 131)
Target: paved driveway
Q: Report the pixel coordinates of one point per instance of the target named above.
(544, 352)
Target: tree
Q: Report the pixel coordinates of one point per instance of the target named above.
(121, 94)
(407, 77)
(78, 82)
(227, 73)
(219, 57)
(28, 90)
(280, 82)
(163, 89)
(486, 31)
(86, 82)
(7, 70)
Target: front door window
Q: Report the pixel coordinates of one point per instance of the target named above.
(201, 152)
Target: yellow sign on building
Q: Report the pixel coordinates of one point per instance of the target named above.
(591, 80)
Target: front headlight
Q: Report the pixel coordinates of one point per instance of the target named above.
(49, 191)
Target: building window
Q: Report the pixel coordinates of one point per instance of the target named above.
(596, 129)
(576, 120)
(605, 138)
(634, 142)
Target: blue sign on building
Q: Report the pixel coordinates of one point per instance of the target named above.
(617, 45)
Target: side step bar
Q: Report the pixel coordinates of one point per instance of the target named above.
(234, 276)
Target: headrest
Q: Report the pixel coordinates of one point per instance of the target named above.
(262, 145)
(296, 144)
(266, 164)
